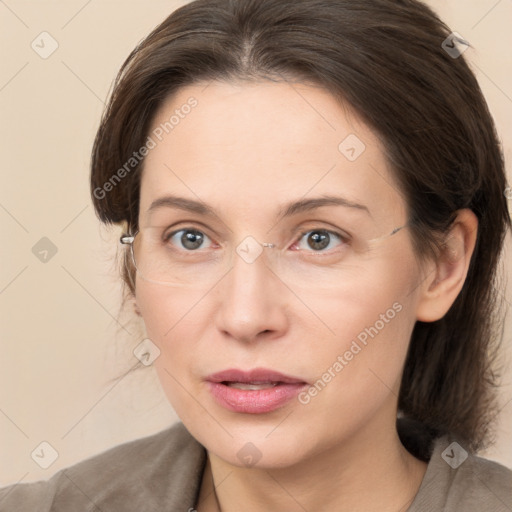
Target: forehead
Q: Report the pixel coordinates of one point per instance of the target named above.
(247, 145)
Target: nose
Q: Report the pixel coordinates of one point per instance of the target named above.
(253, 301)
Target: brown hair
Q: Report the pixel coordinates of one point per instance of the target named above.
(385, 58)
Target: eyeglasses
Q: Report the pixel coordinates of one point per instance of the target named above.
(190, 257)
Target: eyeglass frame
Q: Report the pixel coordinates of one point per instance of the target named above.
(128, 239)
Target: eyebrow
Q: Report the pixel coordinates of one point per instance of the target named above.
(288, 210)
(306, 205)
(181, 203)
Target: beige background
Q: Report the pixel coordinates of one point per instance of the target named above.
(62, 349)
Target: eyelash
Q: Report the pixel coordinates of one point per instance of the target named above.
(343, 238)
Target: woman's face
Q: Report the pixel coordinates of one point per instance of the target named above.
(333, 316)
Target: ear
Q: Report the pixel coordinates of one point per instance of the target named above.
(448, 274)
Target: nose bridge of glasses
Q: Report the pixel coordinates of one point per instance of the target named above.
(255, 260)
(250, 249)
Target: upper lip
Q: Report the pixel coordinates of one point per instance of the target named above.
(256, 375)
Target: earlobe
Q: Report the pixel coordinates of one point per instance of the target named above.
(444, 283)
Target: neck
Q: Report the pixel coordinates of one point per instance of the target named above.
(371, 471)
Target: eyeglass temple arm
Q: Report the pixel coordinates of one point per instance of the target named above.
(127, 239)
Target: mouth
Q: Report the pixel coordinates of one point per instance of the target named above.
(251, 386)
(253, 392)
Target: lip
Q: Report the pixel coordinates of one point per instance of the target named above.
(254, 401)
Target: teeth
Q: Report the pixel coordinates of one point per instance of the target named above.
(250, 386)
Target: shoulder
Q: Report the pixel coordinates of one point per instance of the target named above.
(151, 473)
(458, 481)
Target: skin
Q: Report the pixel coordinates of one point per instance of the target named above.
(245, 150)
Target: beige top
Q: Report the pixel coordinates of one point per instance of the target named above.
(162, 473)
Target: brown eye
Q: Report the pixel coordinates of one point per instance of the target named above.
(319, 239)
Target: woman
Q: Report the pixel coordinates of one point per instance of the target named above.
(313, 210)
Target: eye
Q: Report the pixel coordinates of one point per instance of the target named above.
(320, 239)
(188, 239)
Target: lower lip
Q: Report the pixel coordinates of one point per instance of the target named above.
(254, 401)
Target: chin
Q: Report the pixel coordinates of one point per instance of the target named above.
(254, 444)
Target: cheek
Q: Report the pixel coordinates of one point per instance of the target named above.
(171, 322)
(364, 305)
(364, 336)
(358, 368)
(175, 321)
(163, 313)
(166, 311)
(356, 375)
